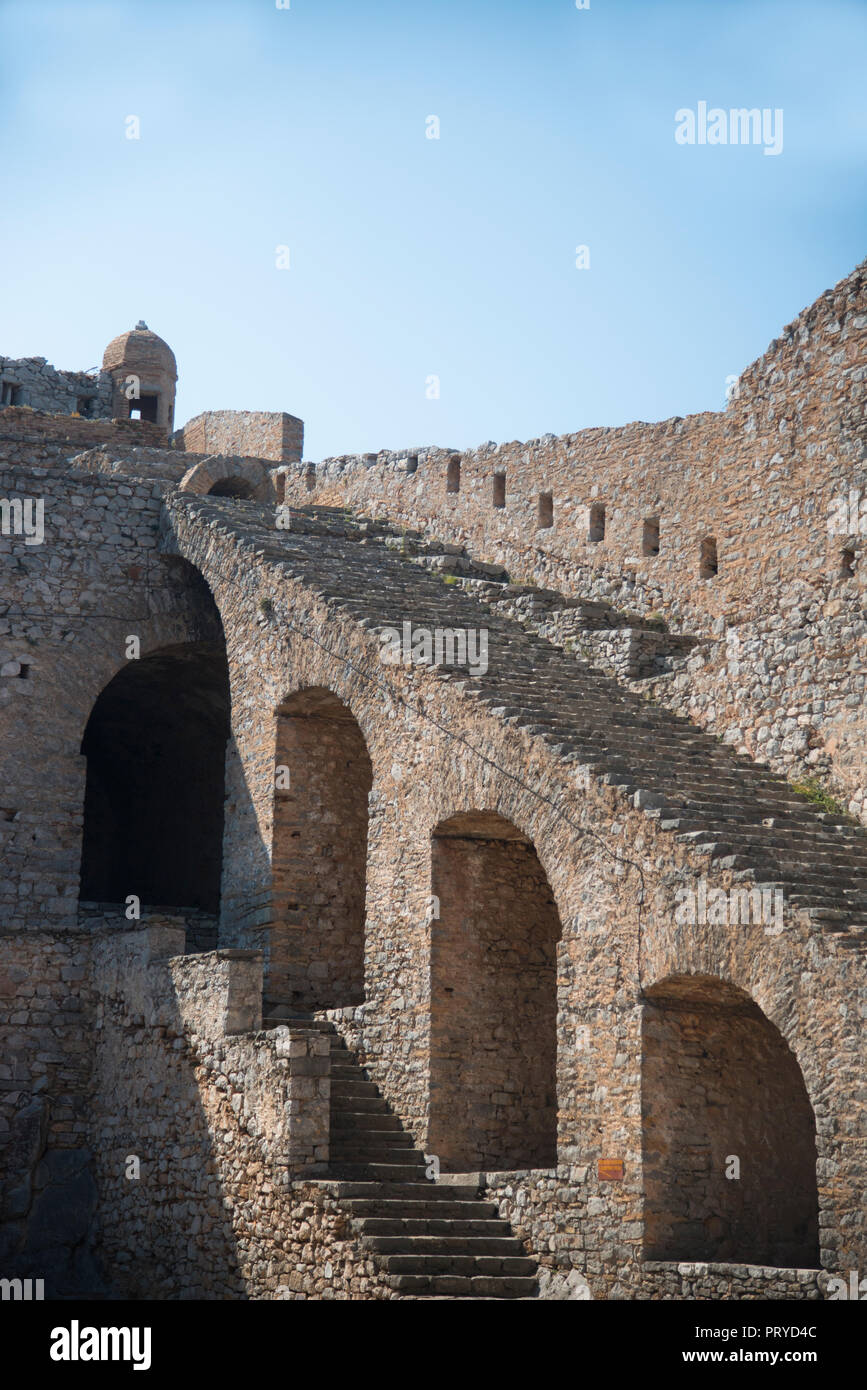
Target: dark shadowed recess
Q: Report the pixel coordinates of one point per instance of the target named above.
(153, 811)
(729, 1134)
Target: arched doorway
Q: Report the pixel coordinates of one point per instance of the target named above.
(493, 1045)
(323, 777)
(155, 745)
(729, 1136)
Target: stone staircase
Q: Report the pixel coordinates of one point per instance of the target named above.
(429, 1239)
(721, 803)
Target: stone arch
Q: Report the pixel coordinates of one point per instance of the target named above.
(243, 478)
(493, 988)
(153, 805)
(322, 781)
(728, 1131)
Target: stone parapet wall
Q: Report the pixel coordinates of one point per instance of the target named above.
(20, 427)
(778, 481)
(761, 477)
(261, 434)
(42, 387)
(560, 1214)
(726, 1281)
(194, 472)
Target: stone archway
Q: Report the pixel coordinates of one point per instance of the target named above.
(155, 745)
(729, 1135)
(245, 479)
(493, 973)
(323, 777)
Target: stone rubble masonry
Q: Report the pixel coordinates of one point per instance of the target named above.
(777, 672)
(260, 434)
(553, 1210)
(128, 1039)
(42, 387)
(421, 777)
(25, 433)
(69, 606)
(48, 1192)
(226, 1122)
(232, 474)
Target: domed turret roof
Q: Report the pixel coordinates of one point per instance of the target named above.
(139, 347)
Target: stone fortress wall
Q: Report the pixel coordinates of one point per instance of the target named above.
(256, 433)
(33, 382)
(468, 885)
(745, 528)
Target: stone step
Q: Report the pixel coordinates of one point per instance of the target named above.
(367, 1154)
(358, 1105)
(411, 1192)
(498, 1266)
(355, 1088)
(463, 1245)
(403, 1172)
(478, 1286)
(352, 1137)
(363, 1121)
(432, 1226)
(436, 1209)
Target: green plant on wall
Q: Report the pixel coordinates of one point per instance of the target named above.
(813, 790)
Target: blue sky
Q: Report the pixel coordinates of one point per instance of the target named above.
(412, 257)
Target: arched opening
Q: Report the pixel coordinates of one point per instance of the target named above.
(729, 1136)
(155, 745)
(323, 776)
(493, 1062)
(239, 488)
